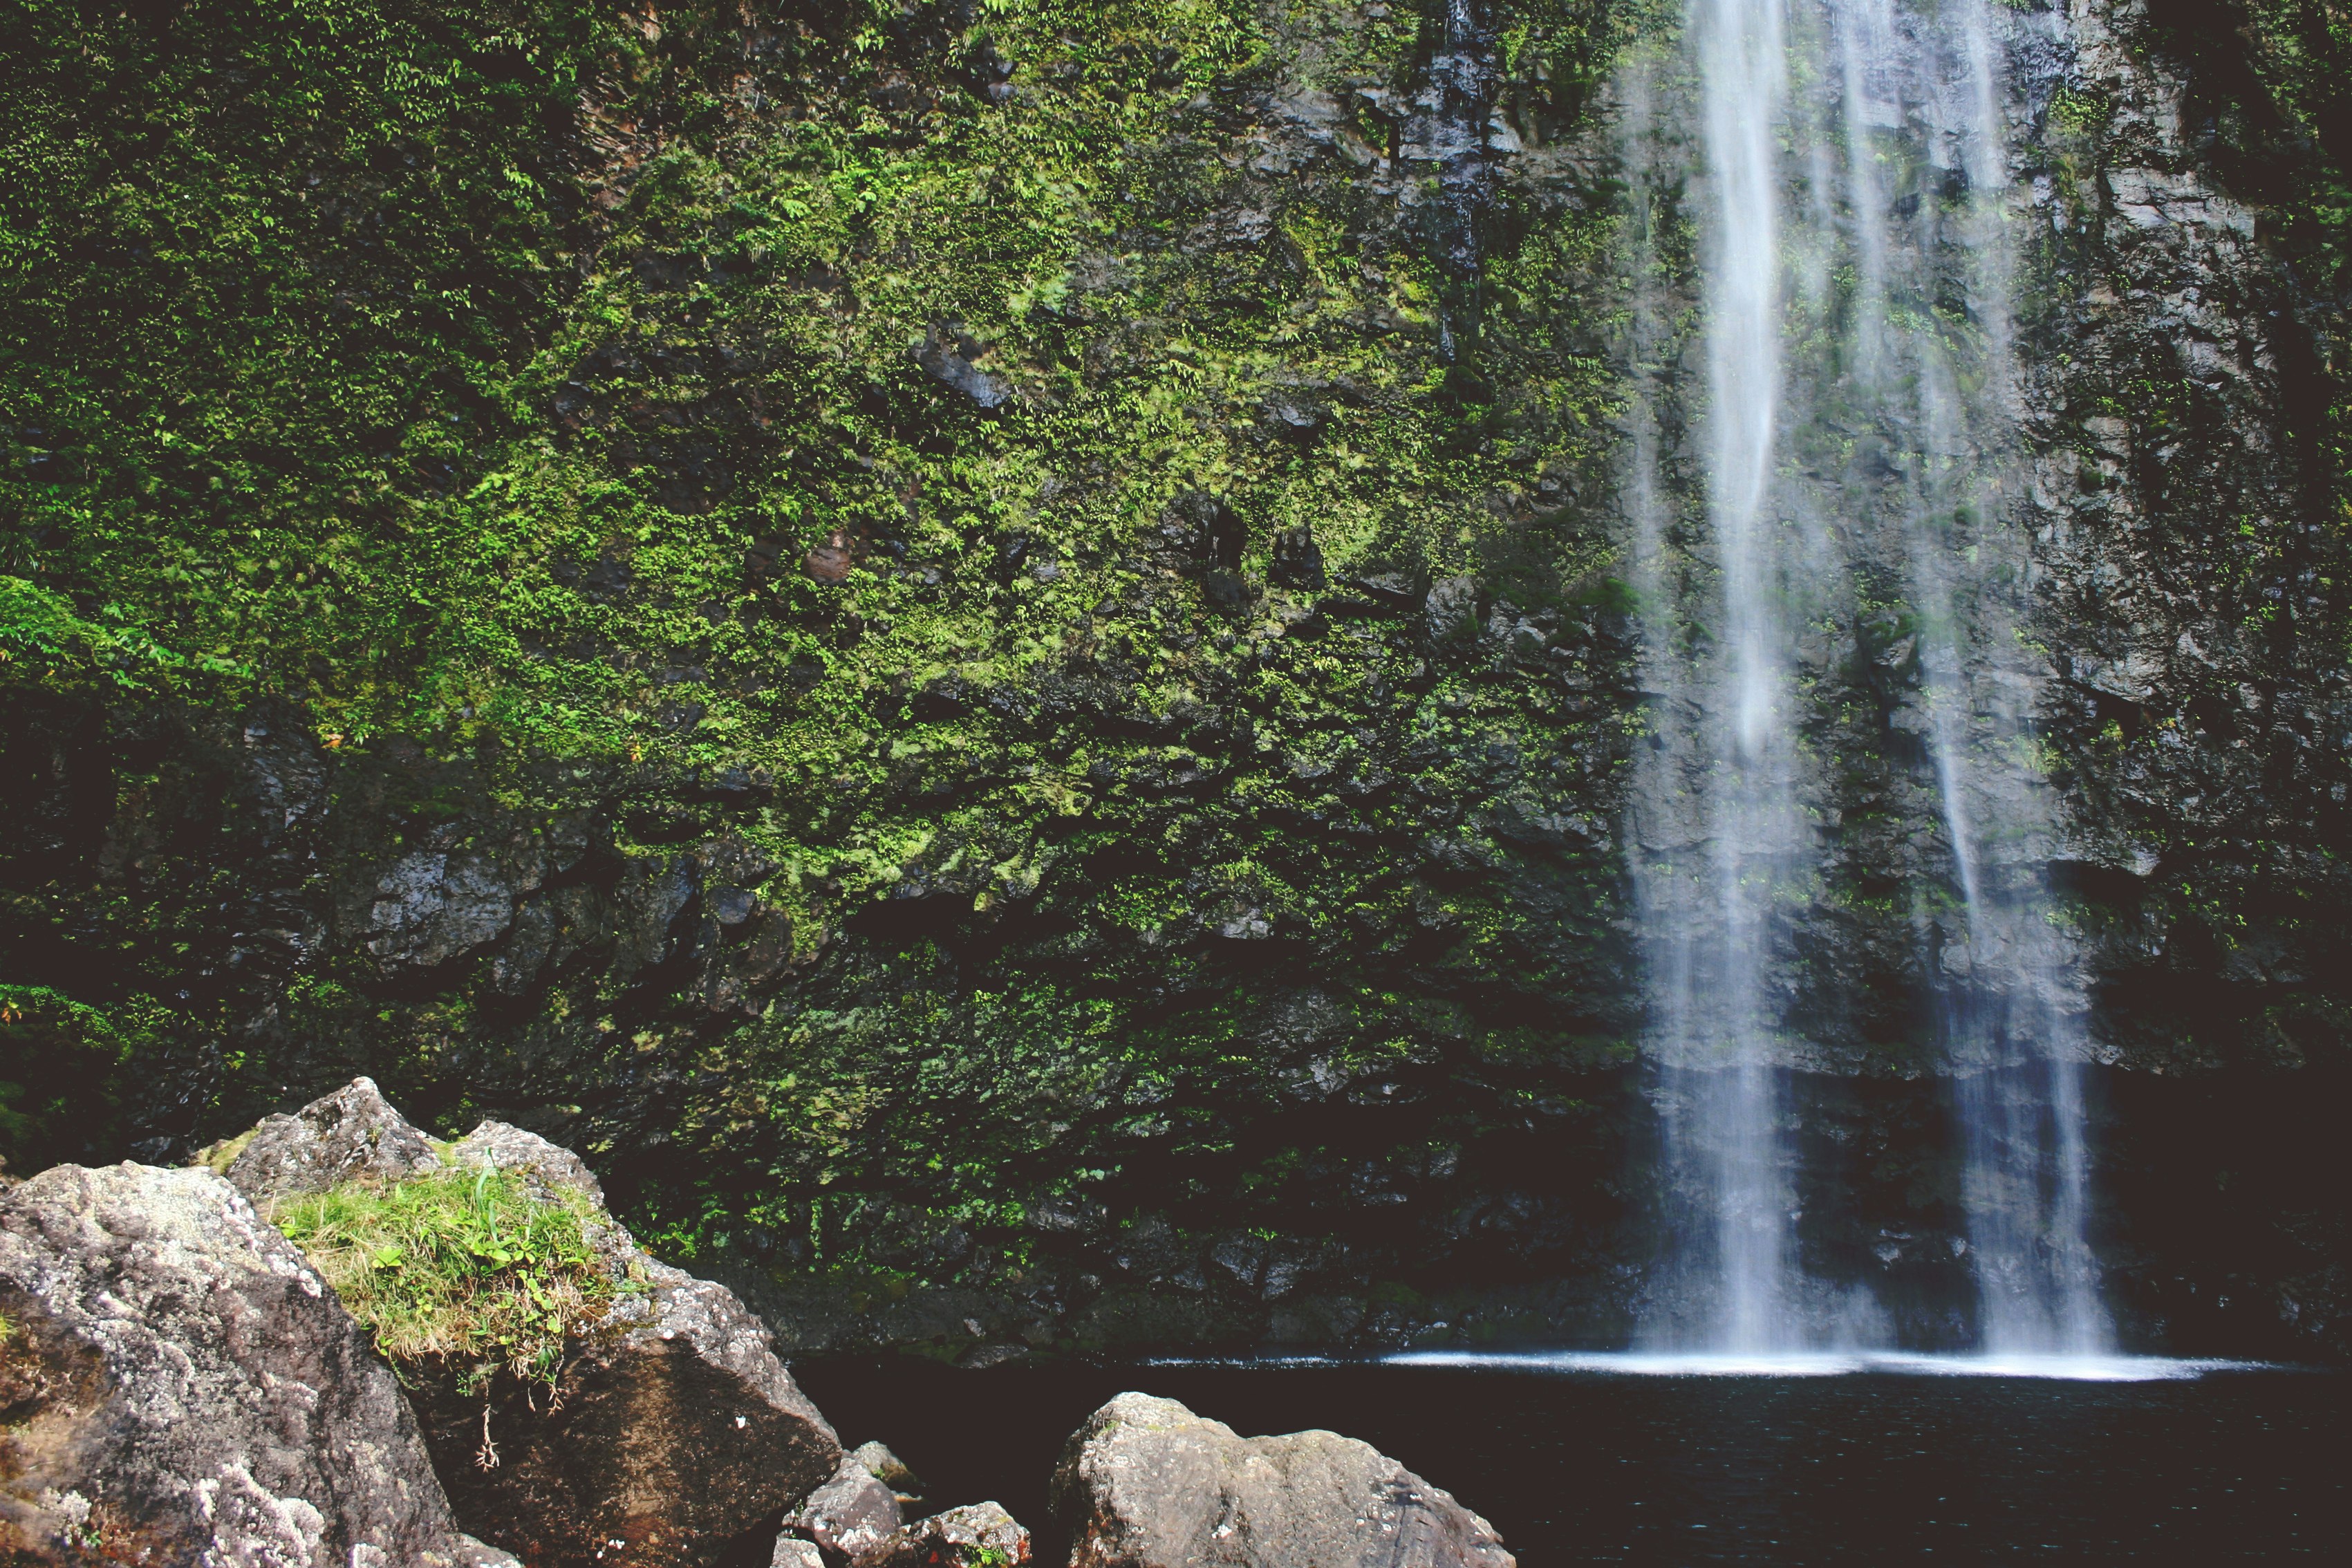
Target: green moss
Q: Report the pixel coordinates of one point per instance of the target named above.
(478, 391)
(461, 1269)
(218, 1157)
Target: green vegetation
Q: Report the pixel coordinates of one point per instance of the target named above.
(462, 1269)
(267, 269)
(295, 297)
(466, 386)
(64, 1071)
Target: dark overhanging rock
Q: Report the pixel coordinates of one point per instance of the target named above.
(946, 354)
(182, 1387)
(1145, 1483)
(1297, 559)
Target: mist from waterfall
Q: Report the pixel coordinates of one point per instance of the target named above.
(1851, 461)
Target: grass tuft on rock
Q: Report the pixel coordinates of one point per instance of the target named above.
(466, 1268)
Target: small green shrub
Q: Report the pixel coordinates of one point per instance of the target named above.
(2078, 112)
(464, 1268)
(63, 1074)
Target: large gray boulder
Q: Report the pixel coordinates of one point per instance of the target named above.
(353, 1135)
(183, 1389)
(674, 1427)
(1145, 1483)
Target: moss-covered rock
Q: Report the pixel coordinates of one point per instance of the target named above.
(573, 1390)
(182, 1387)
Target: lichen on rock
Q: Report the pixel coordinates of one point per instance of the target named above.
(184, 1387)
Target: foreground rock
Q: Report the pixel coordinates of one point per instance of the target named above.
(889, 1469)
(183, 1388)
(977, 1535)
(1145, 1483)
(852, 1518)
(842, 1525)
(675, 1430)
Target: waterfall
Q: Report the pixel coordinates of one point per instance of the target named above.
(1845, 166)
(1447, 126)
(1729, 782)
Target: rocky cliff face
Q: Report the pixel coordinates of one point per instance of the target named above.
(2185, 399)
(2188, 510)
(1001, 675)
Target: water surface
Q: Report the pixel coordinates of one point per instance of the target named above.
(1818, 1464)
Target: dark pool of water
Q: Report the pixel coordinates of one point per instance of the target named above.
(2236, 1466)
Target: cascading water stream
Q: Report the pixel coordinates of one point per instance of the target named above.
(1853, 259)
(2013, 1029)
(1728, 787)
(1737, 1104)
